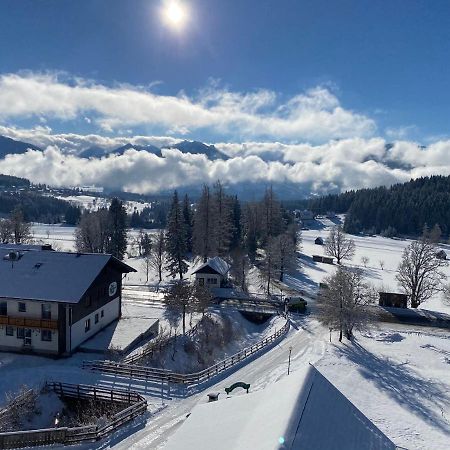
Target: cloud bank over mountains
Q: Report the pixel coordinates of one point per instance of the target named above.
(333, 166)
(308, 141)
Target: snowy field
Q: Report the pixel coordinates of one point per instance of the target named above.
(93, 203)
(397, 375)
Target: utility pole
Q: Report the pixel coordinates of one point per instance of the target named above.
(289, 363)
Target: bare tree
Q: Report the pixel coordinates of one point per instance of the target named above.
(339, 245)
(239, 268)
(179, 302)
(267, 270)
(342, 305)
(283, 249)
(157, 254)
(365, 260)
(19, 229)
(6, 232)
(382, 264)
(91, 234)
(419, 271)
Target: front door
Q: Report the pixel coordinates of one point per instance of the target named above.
(27, 337)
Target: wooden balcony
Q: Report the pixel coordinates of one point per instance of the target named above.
(29, 322)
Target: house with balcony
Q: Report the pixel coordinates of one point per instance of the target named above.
(51, 302)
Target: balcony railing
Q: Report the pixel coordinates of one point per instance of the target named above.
(28, 322)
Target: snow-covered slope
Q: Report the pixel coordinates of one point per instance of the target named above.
(303, 411)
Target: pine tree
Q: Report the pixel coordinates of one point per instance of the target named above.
(176, 247)
(188, 220)
(204, 232)
(117, 231)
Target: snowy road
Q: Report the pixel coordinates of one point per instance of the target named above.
(308, 343)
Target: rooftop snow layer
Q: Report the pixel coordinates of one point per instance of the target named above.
(217, 264)
(50, 276)
(302, 411)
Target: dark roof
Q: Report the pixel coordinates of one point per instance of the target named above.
(216, 264)
(37, 274)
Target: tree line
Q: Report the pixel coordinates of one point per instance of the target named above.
(400, 209)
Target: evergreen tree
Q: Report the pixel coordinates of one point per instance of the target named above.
(176, 247)
(117, 231)
(188, 220)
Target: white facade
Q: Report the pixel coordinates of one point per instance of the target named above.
(80, 331)
(208, 279)
(25, 327)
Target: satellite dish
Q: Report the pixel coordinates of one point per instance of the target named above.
(112, 288)
(13, 256)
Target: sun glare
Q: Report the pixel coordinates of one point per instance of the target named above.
(175, 14)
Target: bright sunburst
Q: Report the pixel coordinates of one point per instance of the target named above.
(175, 14)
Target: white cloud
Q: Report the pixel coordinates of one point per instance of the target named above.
(338, 165)
(315, 115)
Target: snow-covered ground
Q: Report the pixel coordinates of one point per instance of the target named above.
(93, 203)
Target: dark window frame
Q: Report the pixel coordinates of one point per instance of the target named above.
(22, 307)
(10, 329)
(48, 334)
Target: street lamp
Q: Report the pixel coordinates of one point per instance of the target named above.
(289, 363)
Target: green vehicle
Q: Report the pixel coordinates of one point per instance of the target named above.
(296, 304)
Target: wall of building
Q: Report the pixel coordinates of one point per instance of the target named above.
(207, 277)
(14, 344)
(33, 308)
(111, 312)
(33, 311)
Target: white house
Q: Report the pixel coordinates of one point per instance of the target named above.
(213, 273)
(51, 302)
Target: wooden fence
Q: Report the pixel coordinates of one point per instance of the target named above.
(148, 351)
(64, 435)
(162, 375)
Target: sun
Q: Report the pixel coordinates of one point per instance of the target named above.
(175, 14)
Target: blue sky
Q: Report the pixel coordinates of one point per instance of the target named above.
(385, 60)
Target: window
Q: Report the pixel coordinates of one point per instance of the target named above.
(20, 333)
(3, 309)
(102, 313)
(46, 335)
(22, 307)
(96, 318)
(201, 281)
(9, 331)
(88, 301)
(46, 310)
(212, 281)
(87, 325)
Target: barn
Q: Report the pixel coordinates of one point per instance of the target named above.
(51, 302)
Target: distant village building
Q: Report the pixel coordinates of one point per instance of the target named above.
(213, 273)
(393, 299)
(318, 241)
(441, 254)
(51, 302)
(323, 259)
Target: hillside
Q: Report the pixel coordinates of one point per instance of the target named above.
(401, 209)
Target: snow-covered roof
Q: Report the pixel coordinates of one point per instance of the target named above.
(35, 274)
(217, 264)
(303, 411)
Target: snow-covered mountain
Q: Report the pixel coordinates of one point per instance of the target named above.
(10, 146)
